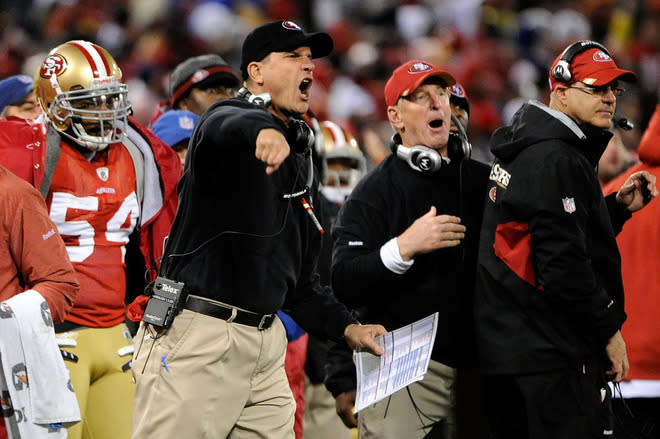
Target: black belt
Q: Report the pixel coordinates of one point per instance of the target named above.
(212, 309)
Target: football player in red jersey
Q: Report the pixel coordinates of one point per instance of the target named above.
(110, 187)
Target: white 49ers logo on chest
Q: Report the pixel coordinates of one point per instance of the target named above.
(103, 173)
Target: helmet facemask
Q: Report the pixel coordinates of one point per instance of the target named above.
(96, 117)
(338, 184)
(343, 163)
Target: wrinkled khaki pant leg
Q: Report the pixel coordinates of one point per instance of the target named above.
(209, 378)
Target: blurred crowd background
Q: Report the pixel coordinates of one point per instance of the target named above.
(500, 50)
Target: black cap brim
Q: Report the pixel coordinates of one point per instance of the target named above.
(319, 43)
(282, 36)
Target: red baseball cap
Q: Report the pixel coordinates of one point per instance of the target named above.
(409, 76)
(593, 67)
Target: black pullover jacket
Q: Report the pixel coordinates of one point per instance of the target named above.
(243, 237)
(384, 204)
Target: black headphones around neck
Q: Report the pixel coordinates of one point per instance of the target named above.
(428, 160)
(562, 71)
(299, 134)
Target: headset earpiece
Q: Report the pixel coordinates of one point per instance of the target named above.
(418, 157)
(395, 141)
(425, 159)
(562, 70)
(458, 147)
(300, 136)
(262, 99)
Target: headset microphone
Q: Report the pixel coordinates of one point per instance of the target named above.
(620, 121)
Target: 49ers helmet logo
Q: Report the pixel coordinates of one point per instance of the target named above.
(290, 25)
(53, 65)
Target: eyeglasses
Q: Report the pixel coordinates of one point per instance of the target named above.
(600, 91)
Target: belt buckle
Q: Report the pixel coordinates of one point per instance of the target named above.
(264, 320)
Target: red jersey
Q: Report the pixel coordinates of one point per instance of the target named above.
(23, 147)
(95, 213)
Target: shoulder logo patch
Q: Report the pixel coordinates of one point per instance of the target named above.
(500, 175)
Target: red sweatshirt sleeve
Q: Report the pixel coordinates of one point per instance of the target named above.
(34, 253)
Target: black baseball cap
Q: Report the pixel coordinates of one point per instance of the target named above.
(281, 36)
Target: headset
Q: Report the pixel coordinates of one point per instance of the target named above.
(262, 99)
(427, 160)
(562, 71)
(299, 135)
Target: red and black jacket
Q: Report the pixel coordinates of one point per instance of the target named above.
(549, 292)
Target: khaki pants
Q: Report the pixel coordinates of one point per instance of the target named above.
(411, 415)
(103, 390)
(321, 420)
(206, 378)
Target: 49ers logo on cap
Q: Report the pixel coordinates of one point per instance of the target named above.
(601, 56)
(290, 25)
(457, 90)
(199, 75)
(53, 65)
(419, 67)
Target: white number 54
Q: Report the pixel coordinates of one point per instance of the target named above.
(114, 232)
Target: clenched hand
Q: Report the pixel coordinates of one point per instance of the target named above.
(616, 352)
(272, 149)
(344, 405)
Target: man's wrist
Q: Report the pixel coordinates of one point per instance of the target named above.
(356, 323)
(391, 257)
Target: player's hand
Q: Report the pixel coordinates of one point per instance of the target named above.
(344, 404)
(638, 189)
(616, 352)
(430, 232)
(272, 149)
(362, 337)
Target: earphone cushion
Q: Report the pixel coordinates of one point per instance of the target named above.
(561, 72)
(458, 148)
(300, 135)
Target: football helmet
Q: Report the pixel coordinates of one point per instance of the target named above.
(342, 160)
(79, 88)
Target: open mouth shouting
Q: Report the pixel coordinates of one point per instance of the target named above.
(305, 87)
(436, 123)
